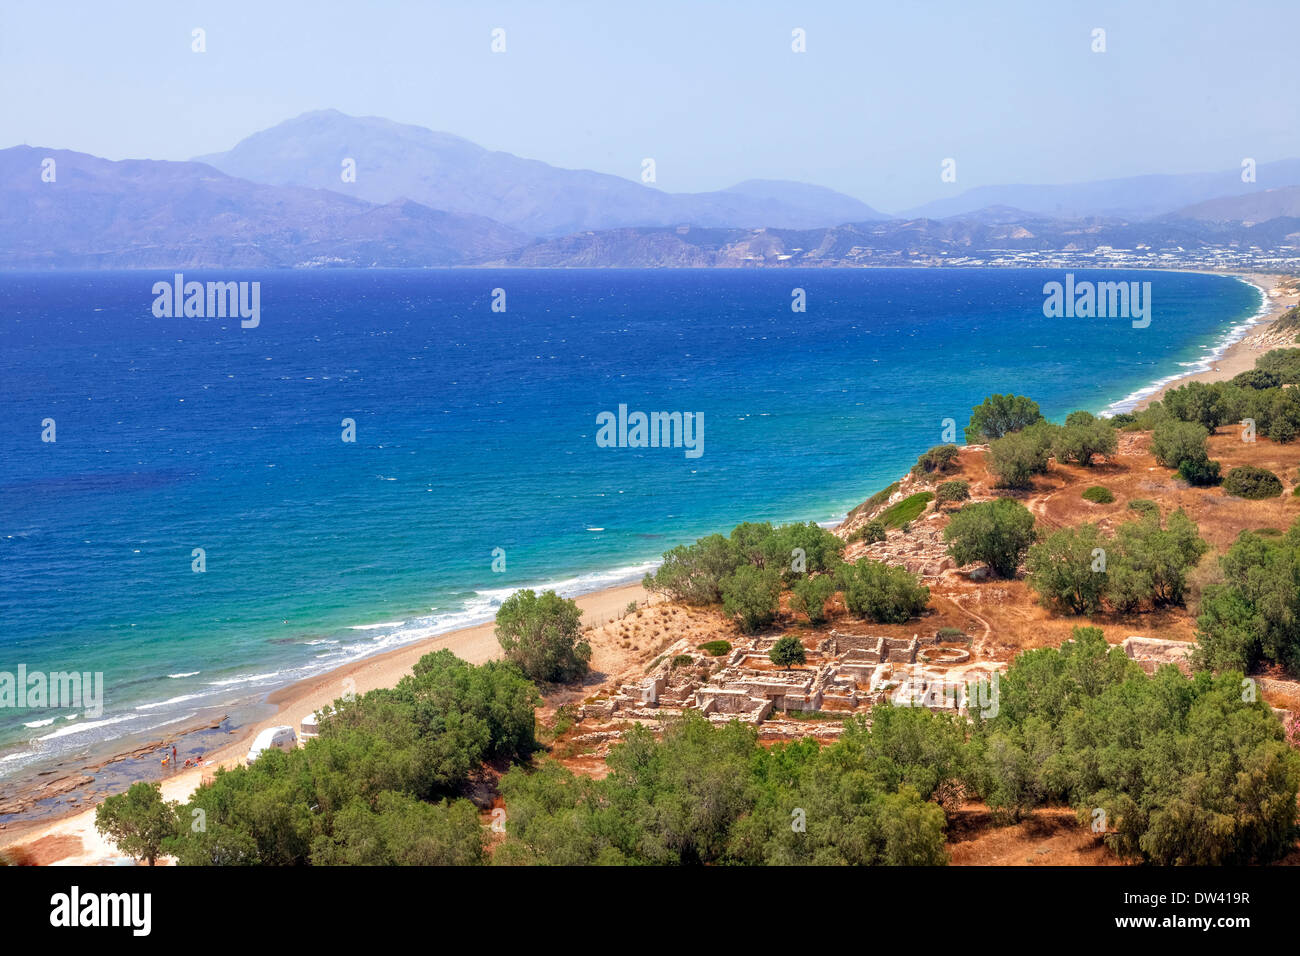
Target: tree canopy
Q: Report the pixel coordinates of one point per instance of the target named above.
(996, 533)
(381, 784)
(138, 821)
(999, 415)
(542, 634)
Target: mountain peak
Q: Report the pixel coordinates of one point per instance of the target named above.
(444, 171)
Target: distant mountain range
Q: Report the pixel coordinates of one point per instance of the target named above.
(897, 242)
(1136, 197)
(423, 198)
(146, 213)
(1252, 208)
(442, 171)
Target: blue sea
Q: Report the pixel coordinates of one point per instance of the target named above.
(475, 431)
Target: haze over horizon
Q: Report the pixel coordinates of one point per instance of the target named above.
(714, 98)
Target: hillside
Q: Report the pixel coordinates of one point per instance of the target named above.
(135, 214)
(995, 235)
(1131, 197)
(1251, 208)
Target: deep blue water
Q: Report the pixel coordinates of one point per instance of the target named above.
(475, 430)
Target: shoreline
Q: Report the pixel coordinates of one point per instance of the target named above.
(220, 733)
(476, 643)
(1236, 355)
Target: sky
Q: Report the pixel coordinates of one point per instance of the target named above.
(711, 89)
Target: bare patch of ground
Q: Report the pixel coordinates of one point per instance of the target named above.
(1050, 836)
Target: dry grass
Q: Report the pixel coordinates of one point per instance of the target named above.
(1017, 622)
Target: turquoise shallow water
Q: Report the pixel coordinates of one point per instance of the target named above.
(475, 431)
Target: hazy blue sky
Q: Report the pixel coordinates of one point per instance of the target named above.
(711, 90)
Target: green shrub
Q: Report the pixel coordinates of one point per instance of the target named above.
(937, 459)
(1082, 439)
(1150, 561)
(693, 573)
(1166, 758)
(1208, 405)
(399, 830)
(1182, 446)
(1098, 495)
(1000, 415)
(715, 648)
(1042, 435)
(1283, 363)
(952, 491)
(1127, 587)
(871, 532)
(138, 821)
(882, 592)
(1145, 505)
(1148, 418)
(951, 634)
(1253, 616)
(1016, 458)
(997, 533)
(751, 593)
(752, 542)
(898, 514)
(798, 549)
(1256, 378)
(787, 651)
(702, 794)
(1174, 442)
(1247, 481)
(540, 634)
(811, 594)
(1202, 472)
(1280, 421)
(1073, 569)
(1068, 571)
(372, 788)
(791, 549)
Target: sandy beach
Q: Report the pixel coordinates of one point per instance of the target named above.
(73, 840)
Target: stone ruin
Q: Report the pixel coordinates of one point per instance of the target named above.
(1151, 652)
(844, 674)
